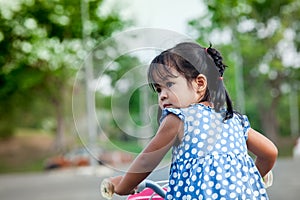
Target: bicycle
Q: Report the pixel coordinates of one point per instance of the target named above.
(146, 190)
(150, 190)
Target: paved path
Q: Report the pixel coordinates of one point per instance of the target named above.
(83, 184)
(286, 185)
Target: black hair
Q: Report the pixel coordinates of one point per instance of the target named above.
(190, 60)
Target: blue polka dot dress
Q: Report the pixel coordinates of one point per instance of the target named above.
(212, 161)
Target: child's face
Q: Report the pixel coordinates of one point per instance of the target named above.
(176, 92)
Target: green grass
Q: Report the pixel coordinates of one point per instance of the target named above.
(25, 151)
(30, 166)
(129, 146)
(285, 151)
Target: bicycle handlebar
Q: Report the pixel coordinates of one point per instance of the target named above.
(153, 185)
(107, 188)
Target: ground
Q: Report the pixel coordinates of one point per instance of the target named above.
(28, 150)
(24, 152)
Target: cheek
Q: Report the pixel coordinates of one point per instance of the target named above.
(178, 96)
(158, 98)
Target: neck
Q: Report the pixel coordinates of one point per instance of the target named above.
(206, 103)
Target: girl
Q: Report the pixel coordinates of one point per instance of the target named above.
(209, 140)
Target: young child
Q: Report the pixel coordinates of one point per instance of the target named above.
(209, 140)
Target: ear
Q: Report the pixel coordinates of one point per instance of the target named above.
(201, 83)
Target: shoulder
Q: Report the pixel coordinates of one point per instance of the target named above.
(175, 111)
(243, 119)
(170, 127)
(184, 113)
(243, 122)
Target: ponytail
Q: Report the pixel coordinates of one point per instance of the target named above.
(220, 95)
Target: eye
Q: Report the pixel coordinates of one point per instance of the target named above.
(158, 89)
(169, 84)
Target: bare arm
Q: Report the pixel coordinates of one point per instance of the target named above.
(265, 151)
(151, 156)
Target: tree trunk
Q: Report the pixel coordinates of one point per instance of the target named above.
(270, 124)
(60, 141)
(59, 144)
(268, 116)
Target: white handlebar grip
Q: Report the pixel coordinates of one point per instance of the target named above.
(268, 179)
(107, 189)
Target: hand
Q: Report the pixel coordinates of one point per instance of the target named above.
(115, 182)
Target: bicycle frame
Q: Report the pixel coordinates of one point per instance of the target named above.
(149, 190)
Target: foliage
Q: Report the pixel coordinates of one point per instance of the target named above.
(262, 42)
(41, 50)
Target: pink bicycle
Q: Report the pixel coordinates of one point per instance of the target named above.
(150, 190)
(147, 190)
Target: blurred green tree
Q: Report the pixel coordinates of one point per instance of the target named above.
(41, 49)
(261, 40)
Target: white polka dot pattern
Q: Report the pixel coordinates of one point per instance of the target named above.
(212, 161)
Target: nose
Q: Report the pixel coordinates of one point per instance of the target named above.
(163, 95)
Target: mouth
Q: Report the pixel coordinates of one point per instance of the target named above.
(167, 105)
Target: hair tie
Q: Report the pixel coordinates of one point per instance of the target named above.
(205, 50)
(221, 78)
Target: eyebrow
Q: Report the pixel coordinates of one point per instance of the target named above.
(167, 78)
(163, 80)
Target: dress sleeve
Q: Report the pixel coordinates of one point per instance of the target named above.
(174, 111)
(246, 126)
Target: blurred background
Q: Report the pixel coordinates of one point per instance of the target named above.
(57, 59)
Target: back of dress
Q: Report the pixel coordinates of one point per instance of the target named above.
(212, 159)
